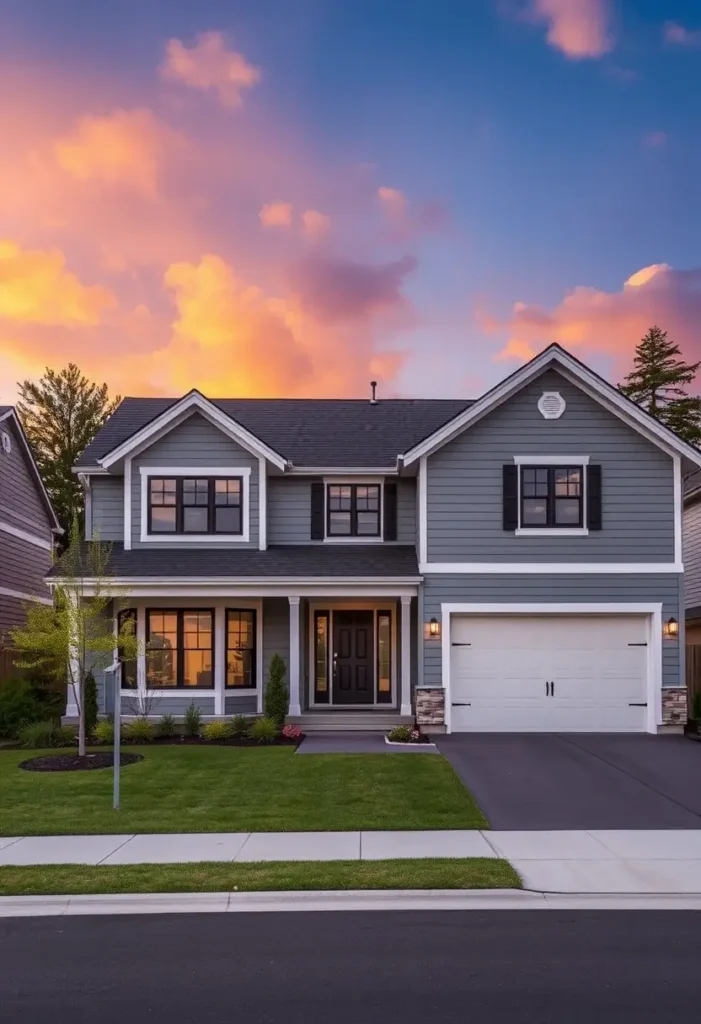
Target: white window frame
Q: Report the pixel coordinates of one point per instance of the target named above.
(360, 481)
(196, 471)
(553, 460)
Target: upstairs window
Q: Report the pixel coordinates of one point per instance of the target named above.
(195, 505)
(552, 497)
(353, 510)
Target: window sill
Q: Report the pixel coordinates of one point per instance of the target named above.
(194, 538)
(374, 539)
(170, 691)
(578, 531)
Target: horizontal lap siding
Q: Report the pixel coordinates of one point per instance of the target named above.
(465, 484)
(12, 613)
(406, 511)
(241, 704)
(21, 501)
(692, 554)
(23, 566)
(542, 589)
(107, 503)
(276, 633)
(196, 442)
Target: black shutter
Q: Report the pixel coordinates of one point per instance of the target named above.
(317, 510)
(594, 513)
(390, 511)
(510, 496)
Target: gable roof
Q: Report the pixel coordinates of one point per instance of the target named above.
(8, 412)
(319, 432)
(579, 374)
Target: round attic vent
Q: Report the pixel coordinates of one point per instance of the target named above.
(551, 405)
(6, 442)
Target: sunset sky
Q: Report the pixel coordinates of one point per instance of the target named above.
(293, 197)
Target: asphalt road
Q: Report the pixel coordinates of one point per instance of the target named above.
(353, 968)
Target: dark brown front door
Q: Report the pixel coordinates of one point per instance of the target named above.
(353, 662)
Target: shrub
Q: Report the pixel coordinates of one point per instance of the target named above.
(240, 727)
(166, 726)
(138, 731)
(292, 732)
(104, 732)
(264, 730)
(193, 717)
(37, 735)
(18, 706)
(216, 732)
(90, 700)
(277, 699)
(401, 734)
(66, 736)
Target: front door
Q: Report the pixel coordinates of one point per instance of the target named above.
(353, 661)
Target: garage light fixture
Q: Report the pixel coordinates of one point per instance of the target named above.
(434, 628)
(671, 628)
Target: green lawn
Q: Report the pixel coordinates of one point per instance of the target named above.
(237, 789)
(72, 879)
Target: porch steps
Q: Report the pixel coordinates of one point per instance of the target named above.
(349, 721)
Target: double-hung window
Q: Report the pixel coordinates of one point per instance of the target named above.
(195, 505)
(240, 649)
(552, 497)
(179, 648)
(353, 510)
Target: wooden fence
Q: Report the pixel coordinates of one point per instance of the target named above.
(693, 675)
(8, 667)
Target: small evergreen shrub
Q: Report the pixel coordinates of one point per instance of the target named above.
(138, 731)
(240, 727)
(401, 734)
(90, 701)
(104, 732)
(193, 717)
(166, 726)
(216, 732)
(264, 730)
(277, 698)
(37, 735)
(18, 707)
(66, 736)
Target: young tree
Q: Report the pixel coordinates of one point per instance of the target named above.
(61, 413)
(658, 382)
(75, 637)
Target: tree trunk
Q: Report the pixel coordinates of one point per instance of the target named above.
(81, 719)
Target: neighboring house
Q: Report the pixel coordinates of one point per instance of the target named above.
(509, 564)
(28, 526)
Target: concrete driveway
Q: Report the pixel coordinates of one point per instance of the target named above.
(578, 781)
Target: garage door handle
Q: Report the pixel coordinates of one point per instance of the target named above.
(636, 705)
(456, 644)
(460, 704)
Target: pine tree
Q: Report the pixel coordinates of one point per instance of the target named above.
(658, 384)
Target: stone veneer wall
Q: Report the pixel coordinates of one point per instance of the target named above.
(430, 705)
(674, 707)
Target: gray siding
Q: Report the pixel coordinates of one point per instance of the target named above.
(289, 510)
(241, 704)
(692, 554)
(107, 502)
(465, 484)
(195, 442)
(276, 632)
(546, 589)
(23, 566)
(21, 503)
(178, 704)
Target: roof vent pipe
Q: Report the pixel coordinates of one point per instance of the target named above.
(373, 385)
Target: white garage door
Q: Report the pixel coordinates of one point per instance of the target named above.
(548, 673)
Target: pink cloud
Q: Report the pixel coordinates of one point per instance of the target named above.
(393, 201)
(578, 28)
(315, 224)
(276, 215)
(336, 290)
(209, 65)
(677, 35)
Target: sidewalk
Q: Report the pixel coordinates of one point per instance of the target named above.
(565, 862)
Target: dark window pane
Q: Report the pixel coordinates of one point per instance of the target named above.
(227, 520)
(567, 512)
(195, 520)
(195, 492)
(535, 512)
(368, 524)
(340, 523)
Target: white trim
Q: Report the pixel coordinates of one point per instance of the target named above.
(176, 539)
(545, 568)
(554, 531)
(262, 505)
(87, 491)
(190, 403)
(30, 538)
(405, 708)
(90, 470)
(393, 585)
(350, 480)
(654, 641)
(578, 374)
(22, 596)
(551, 460)
(295, 660)
(127, 504)
(678, 509)
(342, 471)
(423, 509)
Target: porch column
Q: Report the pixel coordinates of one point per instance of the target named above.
(295, 707)
(406, 657)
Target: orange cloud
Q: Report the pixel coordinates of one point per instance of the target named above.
(209, 65)
(610, 322)
(678, 35)
(36, 288)
(578, 28)
(127, 147)
(276, 215)
(315, 224)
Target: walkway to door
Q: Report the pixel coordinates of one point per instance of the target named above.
(580, 781)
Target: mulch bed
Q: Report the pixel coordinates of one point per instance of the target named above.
(75, 763)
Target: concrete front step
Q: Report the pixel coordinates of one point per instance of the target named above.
(349, 721)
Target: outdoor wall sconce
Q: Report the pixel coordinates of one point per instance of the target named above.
(671, 628)
(434, 628)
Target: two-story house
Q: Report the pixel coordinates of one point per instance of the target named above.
(28, 526)
(508, 564)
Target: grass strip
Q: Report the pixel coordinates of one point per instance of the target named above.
(429, 873)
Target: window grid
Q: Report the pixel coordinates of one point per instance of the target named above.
(195, 505)
(552, 497)
(353, 510)
(180, 648)
(240, 649)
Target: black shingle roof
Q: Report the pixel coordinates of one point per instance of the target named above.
(4, 409)
(308, 432)
(320, 560)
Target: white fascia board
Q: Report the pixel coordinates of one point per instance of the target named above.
(90, 470)
(190, 403)
(346, 471)
(576, 373)
(296, 582)
(549, 568)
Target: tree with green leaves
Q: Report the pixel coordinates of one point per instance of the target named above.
(75, 637)
(61, 413)
(658, 384)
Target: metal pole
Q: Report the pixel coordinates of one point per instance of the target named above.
(117, 734)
